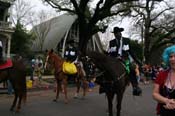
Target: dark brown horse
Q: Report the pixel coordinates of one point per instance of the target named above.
(17, 76)
(53, 61)
(113, 80)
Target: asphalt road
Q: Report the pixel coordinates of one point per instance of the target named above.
(40, 104)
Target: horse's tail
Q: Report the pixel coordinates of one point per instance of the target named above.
(24, 96)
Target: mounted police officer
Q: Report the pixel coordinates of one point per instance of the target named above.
(71, 56)
(1, 52)
(119, 47)
(2, 60)
(71, 51)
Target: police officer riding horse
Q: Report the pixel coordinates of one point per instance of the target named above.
(119, 47)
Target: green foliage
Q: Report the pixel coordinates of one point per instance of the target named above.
(137, 49)
(21, 40)
(159, 41)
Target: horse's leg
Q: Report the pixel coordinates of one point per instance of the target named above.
(19, 103)
(14, 102)
(110, 96)
(65, 90)
(85, 87)
(78, 84)
(119, 102)
(58, 88)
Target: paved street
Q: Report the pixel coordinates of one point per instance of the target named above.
(40, 103)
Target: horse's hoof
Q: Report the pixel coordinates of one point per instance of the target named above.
(54, 100)
(11, 109)
(17, 111)
(76, 96)
(83, 98)
(66, 101)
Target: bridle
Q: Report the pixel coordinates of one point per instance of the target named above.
(50, 63)
(46, 62)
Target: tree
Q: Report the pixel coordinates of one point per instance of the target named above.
(21, 40)
(137, 47)
(90, 18)
(21, 11)
(156, 26)
(41, 30)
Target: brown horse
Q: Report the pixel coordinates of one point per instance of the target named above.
(81, 80)
(56, 62)
(17, 76)
(113, 80)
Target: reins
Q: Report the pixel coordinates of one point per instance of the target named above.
(101, 73)
(121, 76)
(54, 63)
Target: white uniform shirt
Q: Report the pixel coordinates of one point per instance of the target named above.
(120, 48)
(37, 61)
(0, 43)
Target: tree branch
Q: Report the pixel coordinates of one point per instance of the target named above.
(83, 5)
(56, 6)
(161, 13)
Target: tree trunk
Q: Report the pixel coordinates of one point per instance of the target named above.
(84, 36)
(147, 48)
(83, 41)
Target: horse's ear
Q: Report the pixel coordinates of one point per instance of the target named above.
(51, 50)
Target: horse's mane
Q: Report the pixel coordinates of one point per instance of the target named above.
(56, 57)
(112, 66)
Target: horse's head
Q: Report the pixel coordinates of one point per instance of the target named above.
(112, 67)
(49, 62)
(52, 60)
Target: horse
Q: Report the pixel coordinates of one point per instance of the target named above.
(53, 61)
(81, 80)
(17, 76)
(113, 78)
(85, 74)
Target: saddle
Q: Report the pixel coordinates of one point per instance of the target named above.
(6, 64)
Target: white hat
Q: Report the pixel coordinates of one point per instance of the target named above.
(0, 44)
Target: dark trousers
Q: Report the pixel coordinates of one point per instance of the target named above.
(1, 56)
(1, 52)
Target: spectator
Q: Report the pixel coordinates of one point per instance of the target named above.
(9, 87)
(32, 69)
(164, 86)
(39, 67)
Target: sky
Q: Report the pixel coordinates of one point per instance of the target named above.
(39, 6)
(105, 37)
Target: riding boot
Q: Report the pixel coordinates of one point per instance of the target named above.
(101, 89)
(137, 91)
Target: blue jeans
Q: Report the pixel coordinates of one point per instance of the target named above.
(9, 88)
